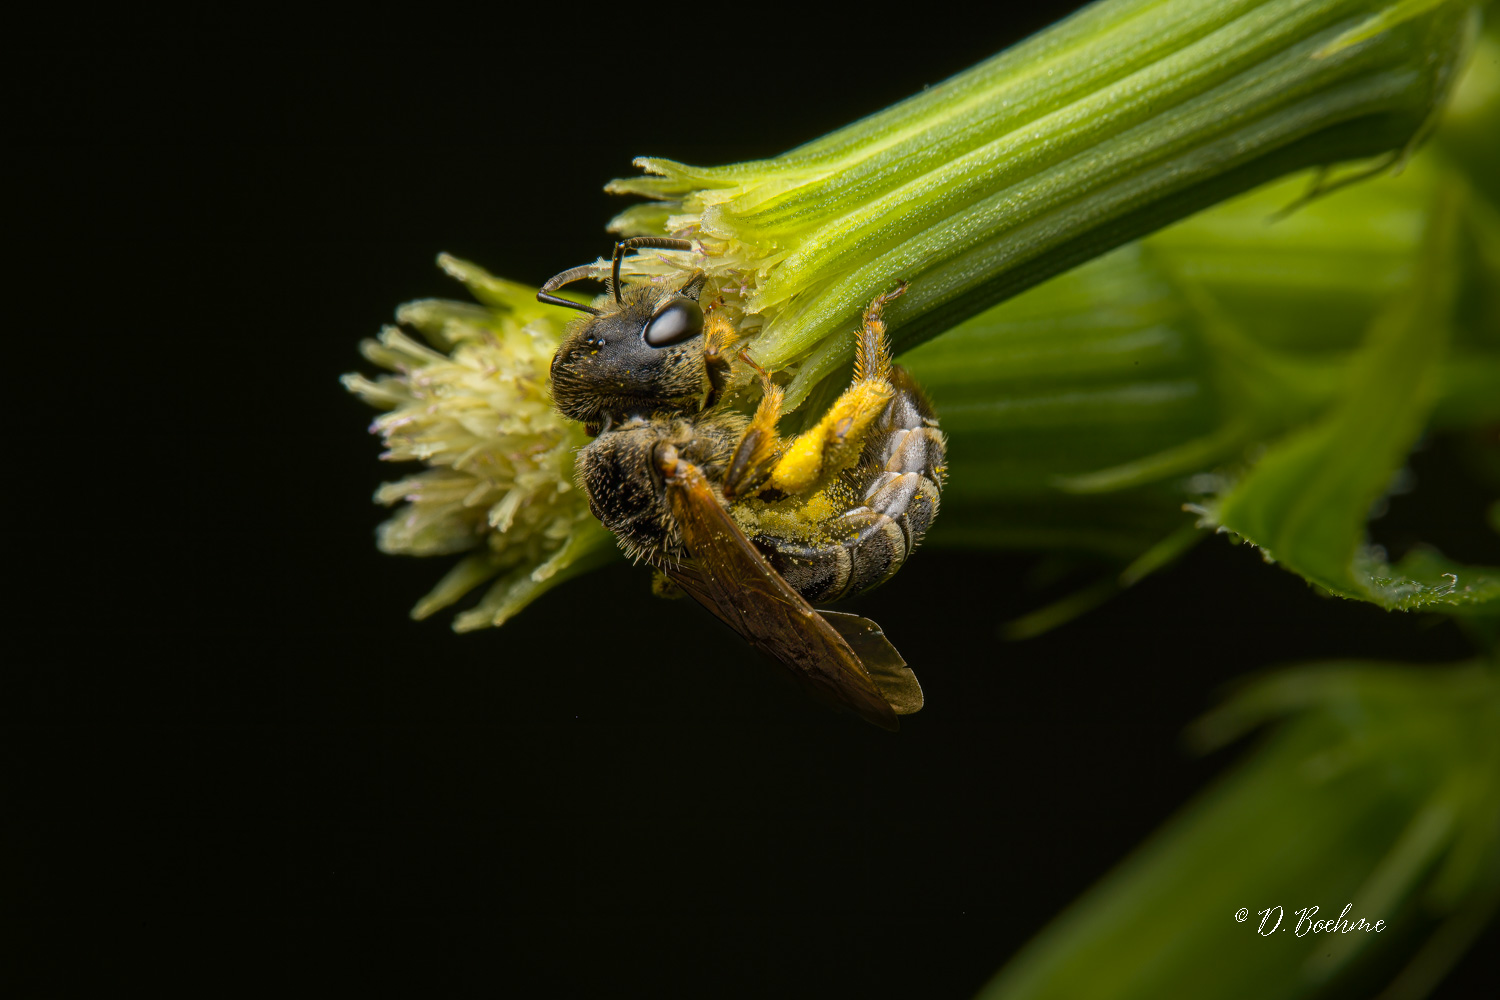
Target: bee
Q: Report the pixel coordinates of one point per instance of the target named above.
(754, 527)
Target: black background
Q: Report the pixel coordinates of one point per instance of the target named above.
(230, 748)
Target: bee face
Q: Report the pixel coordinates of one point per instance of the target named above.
(644, 357)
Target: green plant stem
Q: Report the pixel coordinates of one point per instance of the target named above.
(1113, 123)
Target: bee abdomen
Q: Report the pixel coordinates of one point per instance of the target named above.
(899, 480)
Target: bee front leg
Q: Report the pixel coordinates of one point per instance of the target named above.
(719, 336)
(817, 455)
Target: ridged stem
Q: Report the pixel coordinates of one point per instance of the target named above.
(1111, 124)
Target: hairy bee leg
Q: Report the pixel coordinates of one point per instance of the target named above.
(900, 479)
(872, 359)
(719, 335)
(817, 455)
(760, 446)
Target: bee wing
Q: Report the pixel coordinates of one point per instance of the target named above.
(884, 662)
(730, 577)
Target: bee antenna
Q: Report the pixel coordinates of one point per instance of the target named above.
(640, 242)
(558, 300)
(557, 281)
(584, 271)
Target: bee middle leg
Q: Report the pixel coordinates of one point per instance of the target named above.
(760, 447)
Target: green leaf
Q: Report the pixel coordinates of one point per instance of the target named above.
(1306, 501)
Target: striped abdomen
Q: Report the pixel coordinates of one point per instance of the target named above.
(896, 486)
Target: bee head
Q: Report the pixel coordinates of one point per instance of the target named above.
(643, 356)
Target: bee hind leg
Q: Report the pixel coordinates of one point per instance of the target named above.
(897, 484)
(816, 456)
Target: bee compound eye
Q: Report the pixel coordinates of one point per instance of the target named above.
(679, 320)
